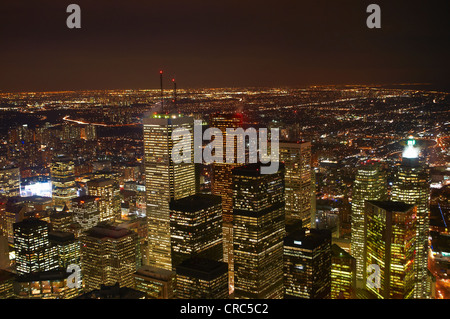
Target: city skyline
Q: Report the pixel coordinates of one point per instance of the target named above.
(197, 150)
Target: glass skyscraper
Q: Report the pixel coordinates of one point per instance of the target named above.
(297, 160)
(165, 181)
(370, 184)
(412, 186)
(390, 229)
(259, 229)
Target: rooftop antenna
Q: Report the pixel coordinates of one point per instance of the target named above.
(174, 92)
(162, 93)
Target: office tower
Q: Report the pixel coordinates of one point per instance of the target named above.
(196, 228)
(85, 211)
(108, 204)
(296, 157)
(45, 285)
(157, 283)
(13, 213)
(201, 278)
(61, 220)
(113, 292)
(390, 229)
(10, 181)
(221, 184)
(67, 247)
(64, 189)
(108, 255)
(370, 184)
(258, 228)
(6, 284)
(165, 181)
(139, 226)
(343, 274)
(412, 186)
(33, 250)
(307, 264)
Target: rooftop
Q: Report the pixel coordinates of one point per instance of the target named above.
(155, 272)
(195, 202)
(202, 268)
(391, 206)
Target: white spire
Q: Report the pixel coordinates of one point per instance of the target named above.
(410, 151)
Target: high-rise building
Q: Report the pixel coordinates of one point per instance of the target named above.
(33, 250)
(85, 211)
(370, 184)
(61, 220)
(343, 274)
(108, 256)
(13, 213)
(201, 278)
(165, 181)
(297, 161)
(307, 264)
(196, 228)
(157, 283)
(259, 229)
(390, 232)
(139, 226)
(10, 181)
(64, 189)
(221, 185)
(67, 246)
(108, 204)
(412, 186)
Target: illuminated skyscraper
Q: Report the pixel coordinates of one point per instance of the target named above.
(343, 274)
(13, 213)
(108, 205)
(258, 228)
(412, 186)
(61, 220)
(307, 264)
(201, 278)
(10, 181)
(221, 185)
(370, 184)
(67, 247)
(165, 181)
(196, 228)
(108, 256)
(390, 229)
(62, 174)
(297, 161)
(85, 211)
(34, 252)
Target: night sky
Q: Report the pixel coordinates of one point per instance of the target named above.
(123, 44)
